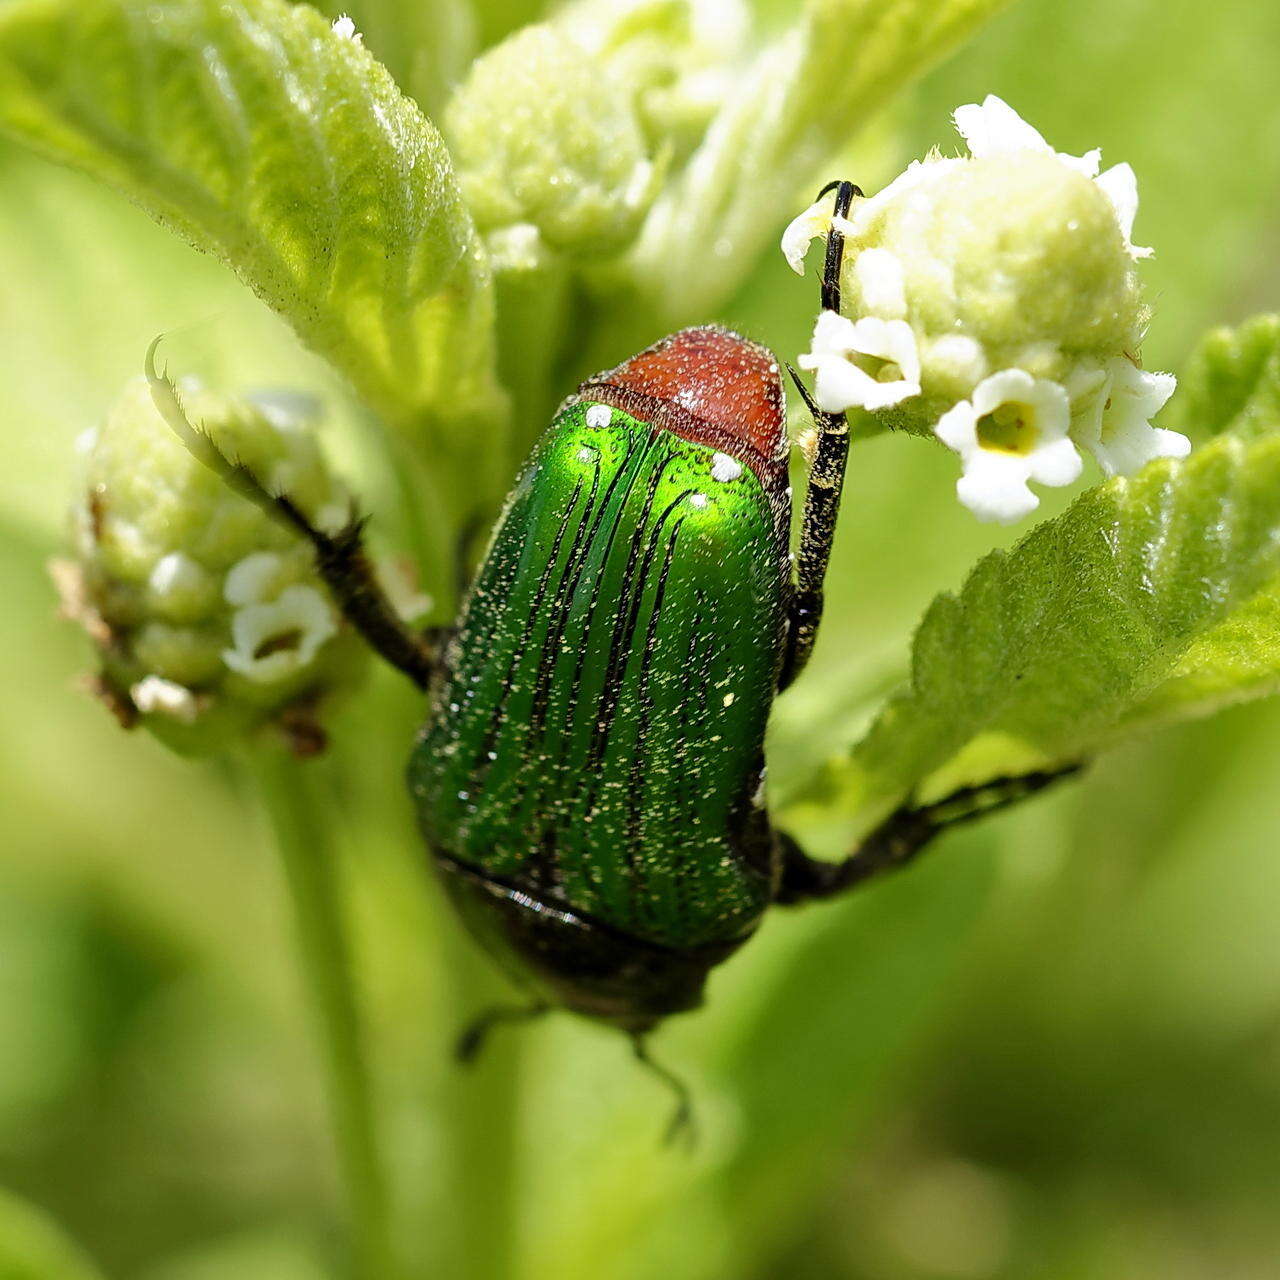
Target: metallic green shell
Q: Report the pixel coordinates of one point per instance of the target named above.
(597, 738)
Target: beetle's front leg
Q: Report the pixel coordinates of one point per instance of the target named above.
(826, 480)
(897, 840)
(340, 557)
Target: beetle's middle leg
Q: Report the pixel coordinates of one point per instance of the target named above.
(341, 560)
(901, 836)
(826, 480)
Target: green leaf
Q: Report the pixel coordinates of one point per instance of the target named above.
(1232, 382)
(803, 101)
(33, 1248)
(1149, 600)
(265, 138)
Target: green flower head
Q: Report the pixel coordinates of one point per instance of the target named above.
(207, 616)
(992, 300)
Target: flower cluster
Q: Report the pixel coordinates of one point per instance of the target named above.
(564, 133)
(207, 616)
(992, 301)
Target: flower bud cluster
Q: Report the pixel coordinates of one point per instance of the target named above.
(992, 301)
(563, 133)
(207, 615)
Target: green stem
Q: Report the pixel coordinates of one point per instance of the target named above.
(483, 1132)
(309, 862)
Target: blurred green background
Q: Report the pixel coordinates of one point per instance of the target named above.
(1052, 1049)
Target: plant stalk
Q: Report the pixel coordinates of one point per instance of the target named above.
(309, 861)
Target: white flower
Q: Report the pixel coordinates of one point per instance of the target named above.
(803, 229)
(868, 364)
(1013, 430)
(153, 695)
(276, 639)
(255, 579)
(1118, 430)
(344, 26)
(993, 128)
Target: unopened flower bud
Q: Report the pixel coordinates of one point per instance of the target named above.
(207, 615)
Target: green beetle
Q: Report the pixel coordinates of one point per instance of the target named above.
(590, 776)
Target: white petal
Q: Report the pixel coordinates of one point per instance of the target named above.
(802, 230)
(958, 429)
(1056, 463)
(1087, 386)
(344, 26)
(883, 286)
(1087, 164)
(255, 579)
(301, 618)
(153, 695)
(1000, 388)
(890, 340)
(994, 128)
(833, 335)
(840, 383)
(1127, 440)
(1120, 185)
(994, 488)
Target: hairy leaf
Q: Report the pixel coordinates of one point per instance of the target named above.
(264, 137)
(1232, 382)
(1147, 601)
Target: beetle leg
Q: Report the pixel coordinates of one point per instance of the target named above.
(341, 560)
(826, 479)
(681, 1124)
(897, 840)
(472, 1040)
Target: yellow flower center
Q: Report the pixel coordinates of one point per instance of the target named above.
(876, 367)
(1008, 428)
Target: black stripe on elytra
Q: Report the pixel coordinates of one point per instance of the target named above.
(630, 597)
(555, 768)
(686, 801)
(639, 757)
(566, 590)
(547, 776)
(483, 758)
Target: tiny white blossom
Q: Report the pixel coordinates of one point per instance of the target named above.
(274, 640)
(1013, 430)
(153, 695)
(1120, 435)
(344, 26)
(803, 229)
(867, 364)
(255, 579)
(993, 128)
